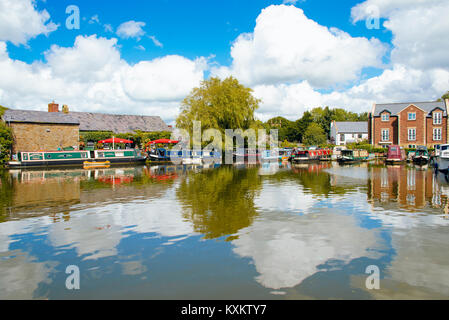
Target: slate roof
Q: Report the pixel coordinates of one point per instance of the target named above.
(119, 123)
(90, 121)
(29, 116)
(352, 127)
(395, 108)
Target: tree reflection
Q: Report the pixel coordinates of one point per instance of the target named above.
(6, 194)
(220, 202)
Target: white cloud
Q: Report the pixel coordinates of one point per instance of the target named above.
(158, 79)
(131, 29)
(92, 76)
(108, 28)
(20, 21)
(418, 27)
(398, 84)
(286, 46)
(156, 42)
(94, 19)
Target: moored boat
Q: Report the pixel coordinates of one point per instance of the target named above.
(422, 156)
(442, 160)
(75, 158)
(353, 156)
(300, 156)
(337, 152)
(395, 155)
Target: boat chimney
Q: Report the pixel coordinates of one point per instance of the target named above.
(53, 107)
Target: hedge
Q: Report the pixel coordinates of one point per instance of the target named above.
(139, 138)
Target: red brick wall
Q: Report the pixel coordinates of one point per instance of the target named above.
(430, 126)
(418, 124)
(379, 125)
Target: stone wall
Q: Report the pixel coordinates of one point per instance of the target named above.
(36, 136)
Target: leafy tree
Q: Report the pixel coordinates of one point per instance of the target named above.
(219, 104)
(314, 135)
(6, 139)
(302, 125)
(445, 96)
(286, 128)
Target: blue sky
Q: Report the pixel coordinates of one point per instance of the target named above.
(143, 57)
(188, 28)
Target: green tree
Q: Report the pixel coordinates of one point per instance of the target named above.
(314, 135)
(219, 104)
(6, 139)
(445, 96)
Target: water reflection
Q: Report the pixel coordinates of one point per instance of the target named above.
(240, 232)
(220, 202)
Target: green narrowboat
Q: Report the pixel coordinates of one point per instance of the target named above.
(353, 156)
(75, 158)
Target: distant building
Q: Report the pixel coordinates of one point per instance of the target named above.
(348, 132)
(409, 124)
(40, 130)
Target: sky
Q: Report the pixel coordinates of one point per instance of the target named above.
(144, 57)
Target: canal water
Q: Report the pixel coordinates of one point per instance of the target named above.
(225, 232)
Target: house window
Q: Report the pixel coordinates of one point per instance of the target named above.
(412, 146)
(342, 137)
(411, 134)
(385, 117)
(437, 118)
(360, 136)
(437, 134)
(385, 134)
(412, 116)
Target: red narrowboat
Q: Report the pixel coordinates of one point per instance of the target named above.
(395, 155)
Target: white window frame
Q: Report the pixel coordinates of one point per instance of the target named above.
(437, 134)
(411, 137)
(412, 118)
(385, 117)
(385, 137)
(437, 118)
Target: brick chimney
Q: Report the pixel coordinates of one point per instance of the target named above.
(53, 107)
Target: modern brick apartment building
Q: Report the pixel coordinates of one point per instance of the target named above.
(409, 124)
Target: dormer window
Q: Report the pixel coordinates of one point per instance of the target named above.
(437, 118)
(385, 117)
(412, 116)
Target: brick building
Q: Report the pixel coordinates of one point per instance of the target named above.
(55, 129)
(409, 124)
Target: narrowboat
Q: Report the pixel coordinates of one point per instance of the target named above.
(395, 155)
(442, 160)
(276, 155)
(304, 156)
(183, 156)
(269, 156)
(74, 158)
(285, 154)
(421, 156)
(353, 156)
(337, 152)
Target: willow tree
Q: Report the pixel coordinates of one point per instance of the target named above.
(219, 104)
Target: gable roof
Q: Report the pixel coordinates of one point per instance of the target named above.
(90, 121)
(119, 123)
(352, 127)
(396, 108)
(29, 116)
